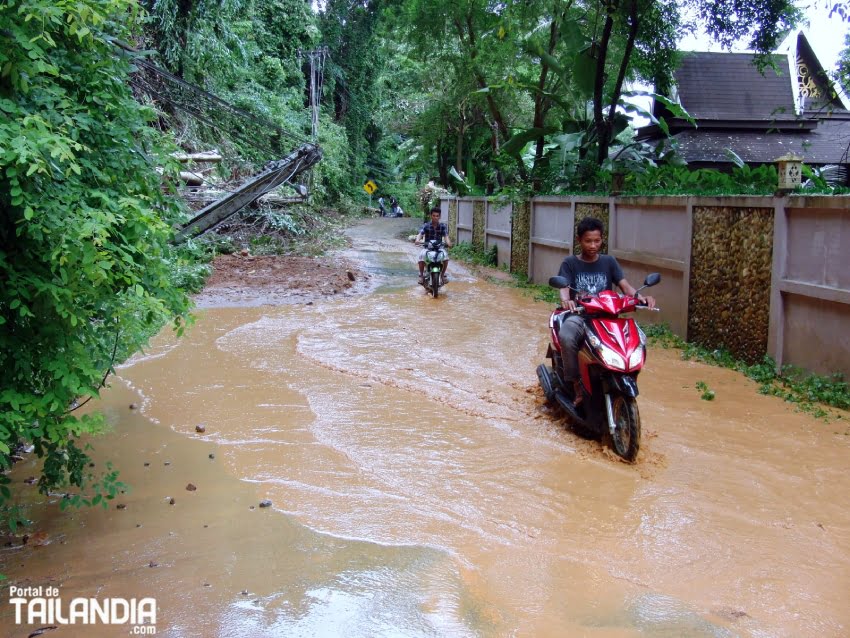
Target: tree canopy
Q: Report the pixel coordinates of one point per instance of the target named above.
(86, 270)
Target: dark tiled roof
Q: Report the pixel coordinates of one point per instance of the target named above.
(827, 144)
(722, 86)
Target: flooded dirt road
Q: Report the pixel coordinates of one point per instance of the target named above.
(419, 488)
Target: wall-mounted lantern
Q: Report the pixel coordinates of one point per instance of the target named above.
(790, 169)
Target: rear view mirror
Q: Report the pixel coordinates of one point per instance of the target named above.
(558, 282)
(652, 279)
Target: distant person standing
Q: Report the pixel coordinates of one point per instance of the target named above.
(393, 207)
(381, 208)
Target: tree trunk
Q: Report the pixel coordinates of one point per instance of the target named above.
(495, 112)
(601, 123)
(605, 122)
(459, 144)
(542, 103)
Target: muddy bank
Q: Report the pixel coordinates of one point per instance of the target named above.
(242, 279)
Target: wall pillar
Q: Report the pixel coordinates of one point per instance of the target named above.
(452, 221)
(479, 223)
(520, 238)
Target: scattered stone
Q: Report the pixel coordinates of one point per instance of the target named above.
(206, 526)
(120, 506)
(350, 275)
(31, 480)
(244, 252)
(153, 564)
(167, 463)
(207, 585)
(190, 488)
(244, 592)
(251, 507)
(171, 501)
(91, 464)
(133, 406)
(38, 539)
(309, 303)
(200, 428)
(147, 464)
(138, 524)
(212, 456)
(265, 503)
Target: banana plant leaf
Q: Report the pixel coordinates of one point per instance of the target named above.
(516, 144)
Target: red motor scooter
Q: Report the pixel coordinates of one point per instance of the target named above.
(610, 357)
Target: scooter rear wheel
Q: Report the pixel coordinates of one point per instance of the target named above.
(626, 435)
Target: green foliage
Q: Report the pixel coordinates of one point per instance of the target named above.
(842, 71)
(764, 22)
(85, 264)
(334, 178)
(539, 293)
(707, 394)
(348, 29)
(676, 180)
(531, 93)
(465, 251)
(808, 391)
(246, 53)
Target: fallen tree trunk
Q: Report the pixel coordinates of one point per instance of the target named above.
(207, 156)
(192, 179)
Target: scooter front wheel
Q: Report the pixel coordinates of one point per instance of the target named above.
(435, 284)
(625, 433)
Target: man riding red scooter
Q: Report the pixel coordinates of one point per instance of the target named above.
(595, 354)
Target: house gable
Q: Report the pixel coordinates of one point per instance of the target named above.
(791, 107)
(727, 86)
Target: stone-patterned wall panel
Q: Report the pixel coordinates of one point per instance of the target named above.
(731, 255)
(520, 238)
(453, 220)
(479, 220)
(600, 211)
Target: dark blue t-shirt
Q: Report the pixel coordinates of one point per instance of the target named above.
(593, 277)
(437, 233)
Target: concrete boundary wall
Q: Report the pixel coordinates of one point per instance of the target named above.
(810, 285)
(497, 231)
(464, 220)
(808, 248)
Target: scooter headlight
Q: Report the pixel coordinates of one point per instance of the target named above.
(610, 357)
(637, 358)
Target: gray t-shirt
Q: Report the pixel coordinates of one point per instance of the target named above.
(593, 277)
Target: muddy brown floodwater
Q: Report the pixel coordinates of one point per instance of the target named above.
(420, 488)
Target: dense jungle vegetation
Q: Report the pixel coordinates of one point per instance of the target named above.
(520, 95)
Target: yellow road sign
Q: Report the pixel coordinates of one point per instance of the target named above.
(370, 187)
